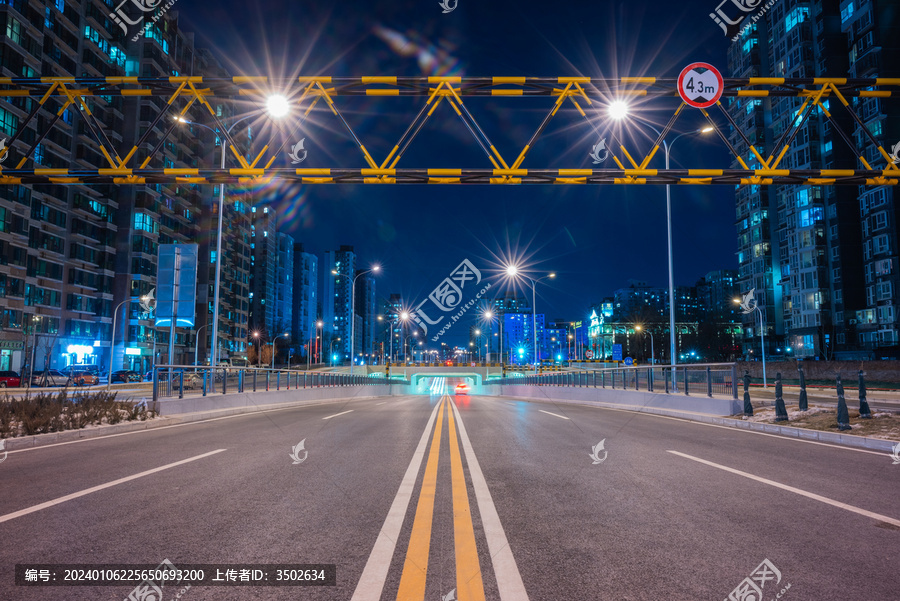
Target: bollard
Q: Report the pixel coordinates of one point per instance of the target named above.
(864, 411)
(843, 416)
(748, 406)
(804, 404)
(780, 410)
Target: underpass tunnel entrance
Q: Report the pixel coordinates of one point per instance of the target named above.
(446, 383)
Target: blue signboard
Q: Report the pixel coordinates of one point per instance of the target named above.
(629, 361)
(176, 284)
(617, 352)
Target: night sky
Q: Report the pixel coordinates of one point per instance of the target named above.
(594, 237)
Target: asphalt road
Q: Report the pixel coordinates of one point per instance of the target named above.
(512, 506)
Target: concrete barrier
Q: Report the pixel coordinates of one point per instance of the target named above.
(628, 399)
(193, 404)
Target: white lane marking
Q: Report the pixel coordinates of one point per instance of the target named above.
(33, 508)
(381, 403)
(854, 509)
(553, 414)
(337, 414)
(509, 580)
(198, 422)
(779, 436)
(371, 583)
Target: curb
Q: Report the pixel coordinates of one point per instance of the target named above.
(863, 442)
(40, 440)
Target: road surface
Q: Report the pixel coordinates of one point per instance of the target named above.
(441, 497)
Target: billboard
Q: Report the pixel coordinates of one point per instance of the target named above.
(176, 283)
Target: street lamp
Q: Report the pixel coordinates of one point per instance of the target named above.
(403, 316)
(513, 271)
(488, 317)
(258, 350)
(619, 110)
(374, 269)
(196, 341)
(112, 342)
(406, 345)
(285, 335)
(331, 352)
(745, 305)
(652, 356)
(277, 107)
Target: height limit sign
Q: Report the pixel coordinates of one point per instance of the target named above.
(700, 85)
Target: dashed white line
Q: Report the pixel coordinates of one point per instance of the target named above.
(381, 403)
(810, 495)
(553, 414)
(337, 414)
(87, 491)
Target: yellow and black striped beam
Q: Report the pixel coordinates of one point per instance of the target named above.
(809, 177)
(878, 87)
(183, 92)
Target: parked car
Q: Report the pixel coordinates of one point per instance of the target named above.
(10, 379)
(83, 378)
(125, 376)
(191, 380)
(50, 377)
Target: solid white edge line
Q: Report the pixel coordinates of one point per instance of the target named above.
(337, 414)
(553, 414)
(374, 575)
(779, 436)
(87, 491)
(509, 580)
(810, 495)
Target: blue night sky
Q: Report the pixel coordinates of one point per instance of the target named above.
(594, 237)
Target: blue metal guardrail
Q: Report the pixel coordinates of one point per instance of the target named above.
(697, 378)
(174, 380)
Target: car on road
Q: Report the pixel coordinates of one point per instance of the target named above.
(462, 389)
(10, 379)
(83, 378)
(124, 376)
(50, 377)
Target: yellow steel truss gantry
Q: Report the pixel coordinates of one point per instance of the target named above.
(586, 95)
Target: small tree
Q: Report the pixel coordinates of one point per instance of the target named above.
(266, 355)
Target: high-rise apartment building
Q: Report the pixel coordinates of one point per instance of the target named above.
(72, 255)
(871, 28)
(306, 297)
(284, 287)
(367, 313)
(338, 273)
(810, 251)
(263, 274)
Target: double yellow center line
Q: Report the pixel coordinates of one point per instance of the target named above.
(469, 584)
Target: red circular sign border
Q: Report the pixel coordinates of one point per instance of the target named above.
(701, 105)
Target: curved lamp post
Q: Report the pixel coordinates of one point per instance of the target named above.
(277, 107)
